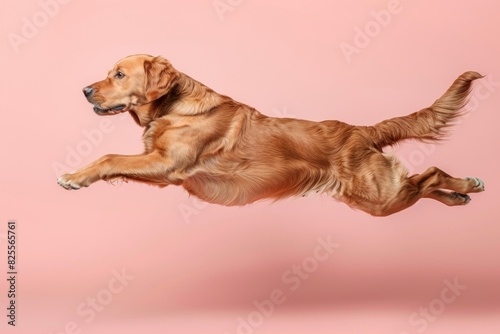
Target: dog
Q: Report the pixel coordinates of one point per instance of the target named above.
(226, 152)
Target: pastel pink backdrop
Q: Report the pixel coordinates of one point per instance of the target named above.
(200, 268)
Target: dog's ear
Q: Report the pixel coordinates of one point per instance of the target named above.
(160, 76)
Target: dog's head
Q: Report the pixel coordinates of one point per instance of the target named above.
(134, 81)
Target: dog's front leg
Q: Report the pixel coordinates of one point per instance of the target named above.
(149, 168)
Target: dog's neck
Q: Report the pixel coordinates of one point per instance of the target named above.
(187, 97)
(195, 98)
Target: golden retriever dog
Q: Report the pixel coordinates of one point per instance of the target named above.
(225, 152)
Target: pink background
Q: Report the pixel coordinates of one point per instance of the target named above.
(202, 271)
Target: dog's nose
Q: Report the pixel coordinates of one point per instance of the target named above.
(87, 91)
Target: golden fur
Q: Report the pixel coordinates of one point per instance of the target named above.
(226, 152)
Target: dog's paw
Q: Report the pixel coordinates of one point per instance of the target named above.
(478, 184)
(69, 181)
(460, 198)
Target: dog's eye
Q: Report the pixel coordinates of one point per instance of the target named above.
(119, 75)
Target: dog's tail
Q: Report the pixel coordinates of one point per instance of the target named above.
(429, 124)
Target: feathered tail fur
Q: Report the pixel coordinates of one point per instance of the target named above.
(428, 124)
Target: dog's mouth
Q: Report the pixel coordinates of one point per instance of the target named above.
(110, 111)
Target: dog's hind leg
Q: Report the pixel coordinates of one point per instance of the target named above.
(434, 179)
(449, 198)
(430, 184)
